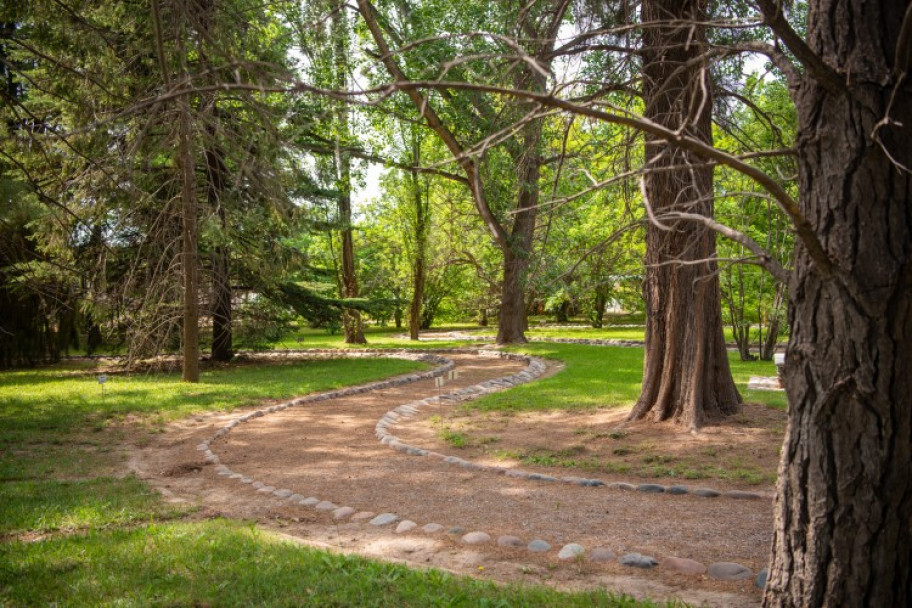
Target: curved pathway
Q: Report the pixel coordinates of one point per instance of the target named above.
(320, 455)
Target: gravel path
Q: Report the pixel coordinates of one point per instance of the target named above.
(320, 471)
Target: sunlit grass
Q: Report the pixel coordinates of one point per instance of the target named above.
(599, 376)
(224, 563)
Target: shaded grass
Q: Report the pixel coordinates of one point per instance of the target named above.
(652, 465)
(46, 506)
(224, 563)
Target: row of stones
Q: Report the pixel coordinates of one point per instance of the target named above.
(571, 551)
(443, 365)
(533, 370)
(535, 367)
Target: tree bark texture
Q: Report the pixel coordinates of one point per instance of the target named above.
(517, 250)
(843, 512)
(686, 373)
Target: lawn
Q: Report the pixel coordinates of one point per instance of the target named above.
(598, 376)
(75, 531)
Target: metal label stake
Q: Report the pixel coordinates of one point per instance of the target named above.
(102, 378)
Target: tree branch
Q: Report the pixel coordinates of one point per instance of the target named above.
(435, 123)
(765, 259)
(823, 73)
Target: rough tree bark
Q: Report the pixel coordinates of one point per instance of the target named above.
(686, 373)
(844, 504)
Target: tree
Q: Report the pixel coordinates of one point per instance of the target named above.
(512, 229)
(686, 374)
(844, 499)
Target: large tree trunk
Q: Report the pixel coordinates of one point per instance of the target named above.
(844, 503)
(510, 322)
(686, 373)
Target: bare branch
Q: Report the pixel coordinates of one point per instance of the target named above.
(823, 73)
(765, 259)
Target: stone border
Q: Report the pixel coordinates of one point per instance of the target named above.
(534, 369)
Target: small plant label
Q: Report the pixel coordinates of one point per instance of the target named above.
(438, 382)
(102, 378)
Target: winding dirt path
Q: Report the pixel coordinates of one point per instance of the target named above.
(328, 450)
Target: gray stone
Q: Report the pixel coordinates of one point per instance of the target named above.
(266, 490)
(325, 505)
(405, 525)
(620, 485)
(309, 501)
(510, 541)
(362, 515)
(540, 477)
(456, 530)
(743, 495)
(729, 571)
(638, 560)
(342, 512)
(258, 484)
(571, 551)
(677, 490)
(296, 497)
(651, 488)
(384, 519)
(245, 479)
(476, 538)
(601, 555)
(705, 492)
(761, 579)
(538, 546)
(283, 493)
(432, 528)
(683, 565)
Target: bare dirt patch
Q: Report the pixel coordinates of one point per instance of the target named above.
(328, 450)
(741, 452)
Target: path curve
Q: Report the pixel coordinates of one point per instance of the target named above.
(325, 458)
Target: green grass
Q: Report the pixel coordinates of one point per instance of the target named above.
(224, 563)
(74, 533)
(57, 400)
(599, 376)
(47, 506)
